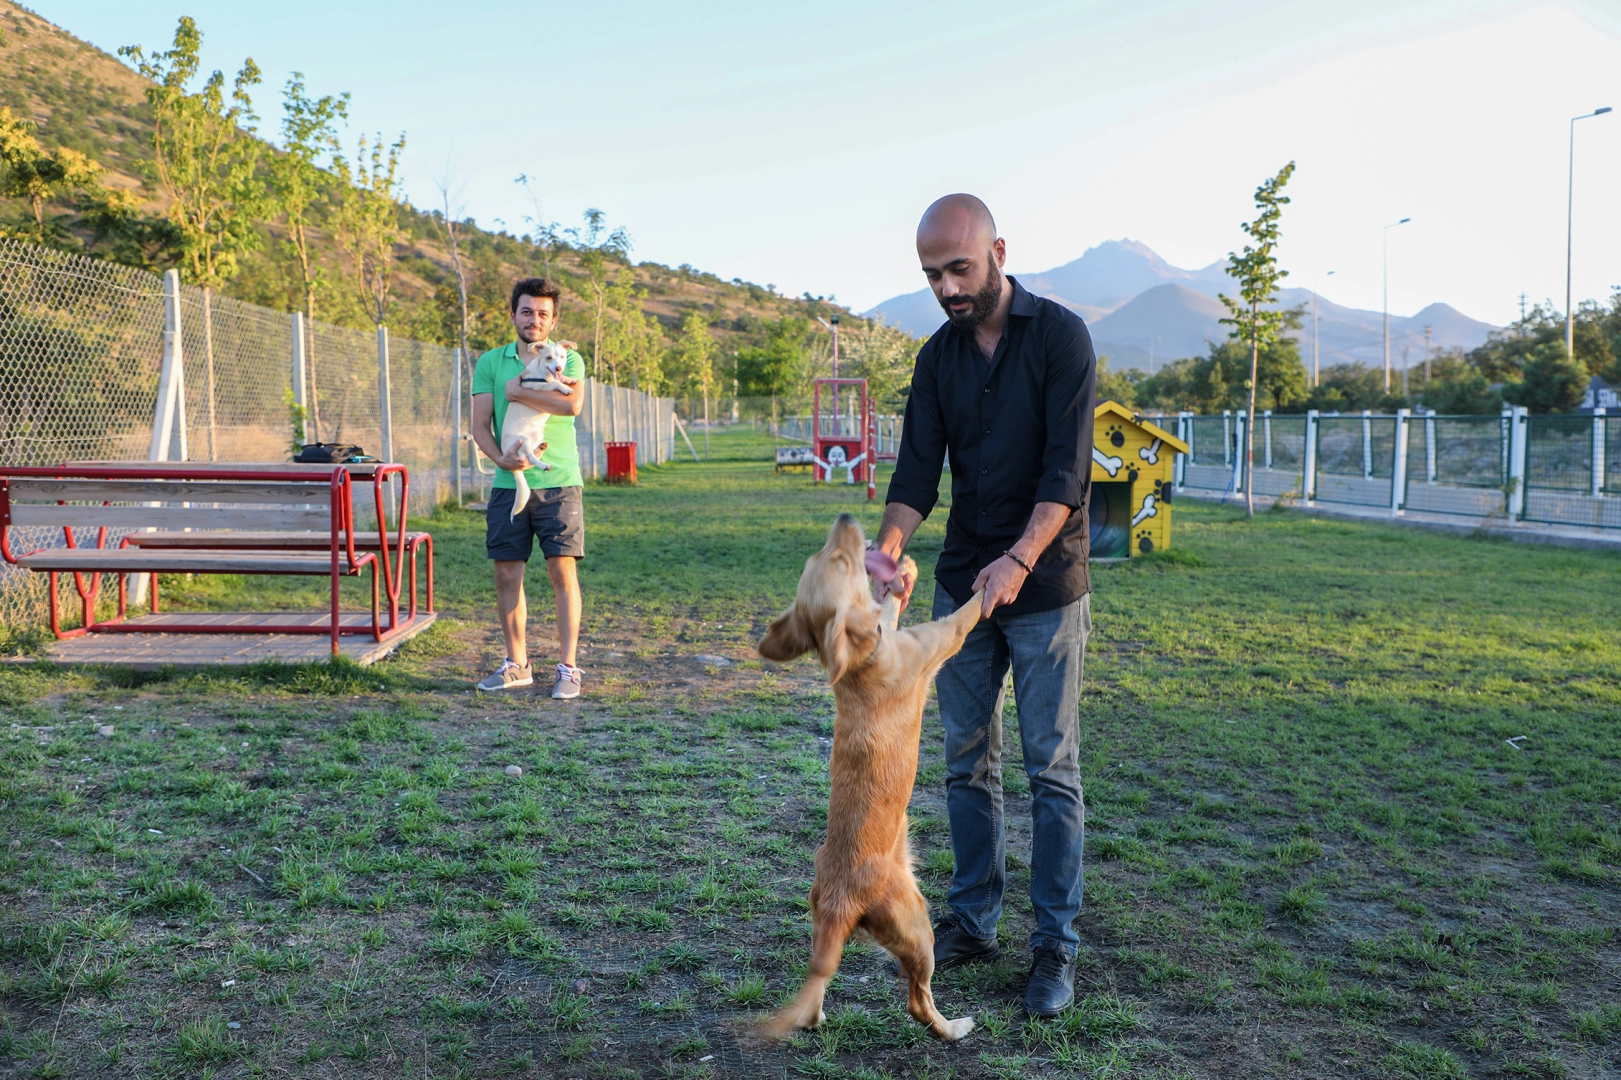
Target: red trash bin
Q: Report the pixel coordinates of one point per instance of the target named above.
(621, 462)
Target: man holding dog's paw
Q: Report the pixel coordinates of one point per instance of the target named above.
(555, 515)
(1005, 387)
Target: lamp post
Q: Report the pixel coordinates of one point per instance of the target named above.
(833, 328)
(1315, 378)
(1570, 218)
(1392, 225)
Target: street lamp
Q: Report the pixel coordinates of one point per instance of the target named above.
(1315, 381)
(833, 328)
(1392, 225)
(1570, 217)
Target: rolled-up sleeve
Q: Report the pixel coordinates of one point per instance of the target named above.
(1066, 466)
(916, 480)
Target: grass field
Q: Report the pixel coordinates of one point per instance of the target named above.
(1312, 851)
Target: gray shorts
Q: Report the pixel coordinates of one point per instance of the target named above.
(554, 516)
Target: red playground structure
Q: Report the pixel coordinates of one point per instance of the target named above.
(842, 438)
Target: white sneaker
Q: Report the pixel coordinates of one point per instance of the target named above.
(568, 682)
(509, 676)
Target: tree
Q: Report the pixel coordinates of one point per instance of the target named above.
(691, 364)
(633, 346)
(1457, 388)
(883, 355)
(776, 368)
(308, 132)
(366, 224)
(30, 172)
(1551, 380)
(205, 157)
(597, 246)
(545, 236)
(1258, 276)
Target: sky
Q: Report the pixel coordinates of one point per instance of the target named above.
(796, 144)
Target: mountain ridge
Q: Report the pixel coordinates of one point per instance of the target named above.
(1173, 313)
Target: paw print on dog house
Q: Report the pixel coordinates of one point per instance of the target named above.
(1133, 462)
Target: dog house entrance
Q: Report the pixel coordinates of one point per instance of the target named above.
(1110, 517)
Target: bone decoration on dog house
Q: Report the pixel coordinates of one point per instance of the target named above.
(1133, 463)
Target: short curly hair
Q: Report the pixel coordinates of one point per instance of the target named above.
(539, 288)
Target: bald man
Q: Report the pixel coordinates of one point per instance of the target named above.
(1004, 388)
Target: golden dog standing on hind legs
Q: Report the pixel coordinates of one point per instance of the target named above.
(880, 677)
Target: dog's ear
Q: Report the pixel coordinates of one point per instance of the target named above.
(787, 638)
(849, 638)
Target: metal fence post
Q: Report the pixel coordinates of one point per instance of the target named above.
(384, 404)
(1184, 431)
(1266, 436)
(1308, 466)
(1240, 419)
(1598, 452)
(171, 377)
(1429, 446)
(1226, 437)
(1398, 465)
(456, 432)
(1518, 436)
(300, 388)
(1367, 444)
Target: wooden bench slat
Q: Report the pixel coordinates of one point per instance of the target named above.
(135, 561)
(312, 541)
(171, 517)
(201, 491)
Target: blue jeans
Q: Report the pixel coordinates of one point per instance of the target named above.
(1046, 650)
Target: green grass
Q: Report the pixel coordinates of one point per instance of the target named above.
(1310, 850)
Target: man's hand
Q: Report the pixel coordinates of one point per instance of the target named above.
(513, 462)
(516, 391)
(1001, 581)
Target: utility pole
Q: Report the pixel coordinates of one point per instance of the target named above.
(1426, 355)
(1570, 218)
(1403, 221)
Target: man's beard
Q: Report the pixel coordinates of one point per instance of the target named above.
(985, 300)
(531, 336)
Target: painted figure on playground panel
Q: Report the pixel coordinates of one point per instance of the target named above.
(523, 420)
(1005, 389)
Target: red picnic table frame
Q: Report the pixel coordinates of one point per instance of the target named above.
(346, 559)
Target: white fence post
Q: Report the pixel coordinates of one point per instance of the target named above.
(1226, 437)
(1240, 419)
(1429, 446)
(456, 429)
(1184, 431)
(384, 404)
(1308, 466)
(1367, 444)
(171, 403)
(1517, 438)
(1398, 465)
(300, 366)
(1266, 435)
(1598, 452)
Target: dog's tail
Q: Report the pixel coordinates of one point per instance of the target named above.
(520, 498)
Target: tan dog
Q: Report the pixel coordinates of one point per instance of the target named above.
(880, 677)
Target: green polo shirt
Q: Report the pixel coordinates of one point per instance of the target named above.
(490, 376)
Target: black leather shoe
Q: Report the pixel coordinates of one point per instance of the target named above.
(1052, 981)
(955, 946)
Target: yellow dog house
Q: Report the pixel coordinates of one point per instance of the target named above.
(1133, 462)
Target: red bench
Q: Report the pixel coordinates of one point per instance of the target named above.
(218, 518)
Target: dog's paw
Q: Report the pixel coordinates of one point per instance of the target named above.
(957, 1029)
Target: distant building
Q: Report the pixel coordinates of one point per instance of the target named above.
(1600, 395)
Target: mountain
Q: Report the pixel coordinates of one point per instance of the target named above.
(1142, 311)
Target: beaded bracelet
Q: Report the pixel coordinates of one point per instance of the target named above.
(1020, 561)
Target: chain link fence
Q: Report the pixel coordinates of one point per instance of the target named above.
(85, 343)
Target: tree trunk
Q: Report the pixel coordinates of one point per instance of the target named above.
(1249, 417)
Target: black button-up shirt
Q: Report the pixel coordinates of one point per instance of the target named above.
(1019, 432)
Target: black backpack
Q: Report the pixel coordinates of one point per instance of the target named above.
(317, 453)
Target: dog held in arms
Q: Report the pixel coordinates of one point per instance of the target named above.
(880, 678)
(524, 428)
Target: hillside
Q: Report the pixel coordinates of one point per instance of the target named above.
(84, 98)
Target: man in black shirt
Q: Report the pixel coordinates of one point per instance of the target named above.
(1005, 389)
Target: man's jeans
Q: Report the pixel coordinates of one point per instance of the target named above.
(1047, 650)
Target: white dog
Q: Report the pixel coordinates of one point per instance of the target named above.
(524, 429)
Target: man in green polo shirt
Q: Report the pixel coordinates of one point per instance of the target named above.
(555, 515)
